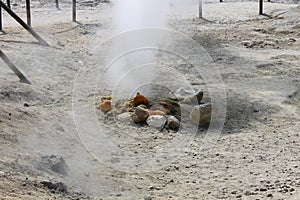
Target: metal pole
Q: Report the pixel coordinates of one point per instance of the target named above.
(22, 23)
(261, 7)
(21, 76)
(57, 4)
(28, 12)
(8, 4)
(200, 9)
(74, 11)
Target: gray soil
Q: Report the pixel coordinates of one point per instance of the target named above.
(43, 156)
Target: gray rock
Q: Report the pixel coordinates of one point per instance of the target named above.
(173, 123)
(189, 96)
(54, 163)
(140, 114)
(201, 114)
(156, 121)
(125, 117)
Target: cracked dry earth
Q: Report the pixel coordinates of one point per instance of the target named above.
(255, 157)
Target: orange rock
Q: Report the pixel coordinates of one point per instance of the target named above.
(139, 99)
(106, 106)
(156, 112)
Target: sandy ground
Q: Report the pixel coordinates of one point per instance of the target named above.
(255, 157)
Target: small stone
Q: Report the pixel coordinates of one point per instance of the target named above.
(26, 105)
(270, 195)
(156, 121)
(106, 106)
(173, 123)
(201, 114)
(140, 114)
(125, 117)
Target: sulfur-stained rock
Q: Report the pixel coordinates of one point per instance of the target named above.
(156, 121)
(201, 114)
(140, 114)
(173, 123)
(140, 99)
(106, 106)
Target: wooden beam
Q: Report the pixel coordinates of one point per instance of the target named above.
(28, 12)
(21, 76)
(22, 23)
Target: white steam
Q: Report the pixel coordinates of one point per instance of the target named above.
(131, 71)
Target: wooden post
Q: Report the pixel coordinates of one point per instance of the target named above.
(21, 76)
(74, 11)
(57, 4)
(8, 3)
(28, 12)
(22, 23)
(261, 7)
(200, 9)
(1, 18)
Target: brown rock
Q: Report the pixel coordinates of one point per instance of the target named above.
(140, 99)
(106, 106)
(157, 112)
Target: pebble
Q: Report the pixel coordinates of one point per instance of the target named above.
(270, 195)
(156, 121)
(106, 106)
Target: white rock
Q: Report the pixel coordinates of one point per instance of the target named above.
(201, 114)
(156, 121)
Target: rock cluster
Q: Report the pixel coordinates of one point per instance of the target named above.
(160, 112)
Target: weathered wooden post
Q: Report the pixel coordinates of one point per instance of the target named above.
(57, 4)
(200, 9)
(8, 3)
(74, 11)
(1, 18)
(21, 76)
(261, 7)
(28, 12)
(22, 23)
